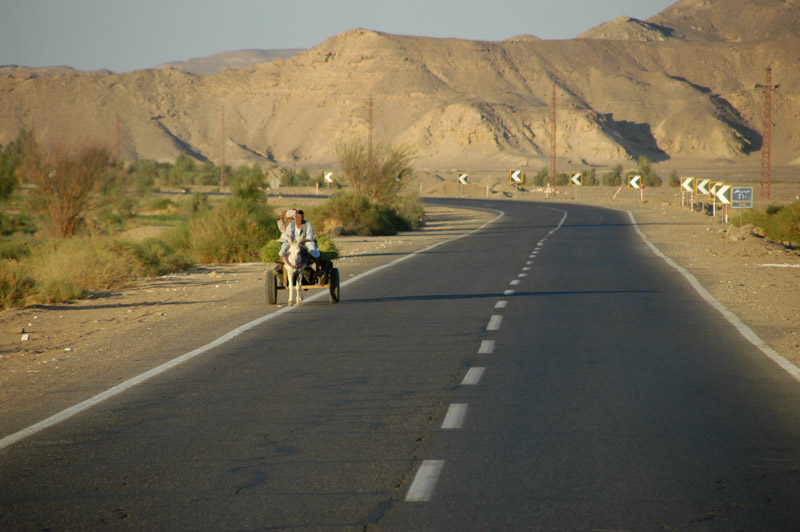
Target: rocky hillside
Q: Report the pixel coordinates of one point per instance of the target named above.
(678, 88)
(222, 61)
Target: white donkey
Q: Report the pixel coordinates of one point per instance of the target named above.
(293, 263)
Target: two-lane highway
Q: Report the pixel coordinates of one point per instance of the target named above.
(547, 371)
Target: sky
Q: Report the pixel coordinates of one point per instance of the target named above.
(122, 35)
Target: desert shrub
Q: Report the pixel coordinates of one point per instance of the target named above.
(674, 180)
(247, 183)
(14, 249)
(157, 257)
(96, 263)
(356, 215)
(780, 223)
(10, 160)
(377, 174)
(649, 176)
(16, 223)
(196, 204)
(541, 178)
(160, 203)
(14, 286)
(590, 178)
(230, 232)
(296, 178)
(614, 177)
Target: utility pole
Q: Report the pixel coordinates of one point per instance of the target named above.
(222, 170)
(116, 151)
(553, 141)
(766, 136)
(369, 130)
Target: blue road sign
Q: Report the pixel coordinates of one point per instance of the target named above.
(742, 197)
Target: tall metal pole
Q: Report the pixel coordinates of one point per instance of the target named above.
(222, 170)
(369, 131)
(553, 140)
(116, 152)
(766, 149)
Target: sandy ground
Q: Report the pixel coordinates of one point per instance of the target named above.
(75, 350)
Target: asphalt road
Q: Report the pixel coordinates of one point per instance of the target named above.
(546, 372)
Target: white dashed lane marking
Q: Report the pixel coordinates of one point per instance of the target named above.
(501, 304)
(515, 282)
(473, 376)
(454, 419)
(421, 489)
(494, 322)
(486, 348)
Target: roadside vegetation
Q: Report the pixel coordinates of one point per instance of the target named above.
(73, 220)
(779, 223)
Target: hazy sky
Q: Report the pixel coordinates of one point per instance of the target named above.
(123, 35)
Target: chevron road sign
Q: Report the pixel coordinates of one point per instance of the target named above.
(722, 193)
(329, 177)
(463, 178)
(516, 177)
(635, 181)
(686, 183)
(702, 186)
(577, 179)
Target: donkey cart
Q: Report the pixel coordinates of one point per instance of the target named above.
(327, 277)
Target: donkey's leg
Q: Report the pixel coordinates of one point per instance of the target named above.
(291, 287)
(300, 287)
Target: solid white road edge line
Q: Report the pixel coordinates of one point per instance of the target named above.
(732, 318)
(454, 418)
(119, 388)
(422, 487)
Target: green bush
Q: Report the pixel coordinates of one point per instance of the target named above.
(158, 257)
(97, 263)
(614, 177)
(14, 249)
(16, 223)
(356, 215)
(230, 232)
(780, 223)
(14, 286)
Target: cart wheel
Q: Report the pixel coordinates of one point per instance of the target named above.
(333, 286)
(272, 287)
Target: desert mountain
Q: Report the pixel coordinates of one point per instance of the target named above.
(222, 61)
(462, 104)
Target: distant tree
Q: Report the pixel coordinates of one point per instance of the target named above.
(72, 181)
(376, 174)
(10, 160)
(247, 183)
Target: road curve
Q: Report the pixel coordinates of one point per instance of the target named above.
(548, 371)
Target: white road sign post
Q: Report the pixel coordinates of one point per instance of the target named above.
(687, 185)
(701, 187)
(635, 182)
(723, 194)
(577, 181)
